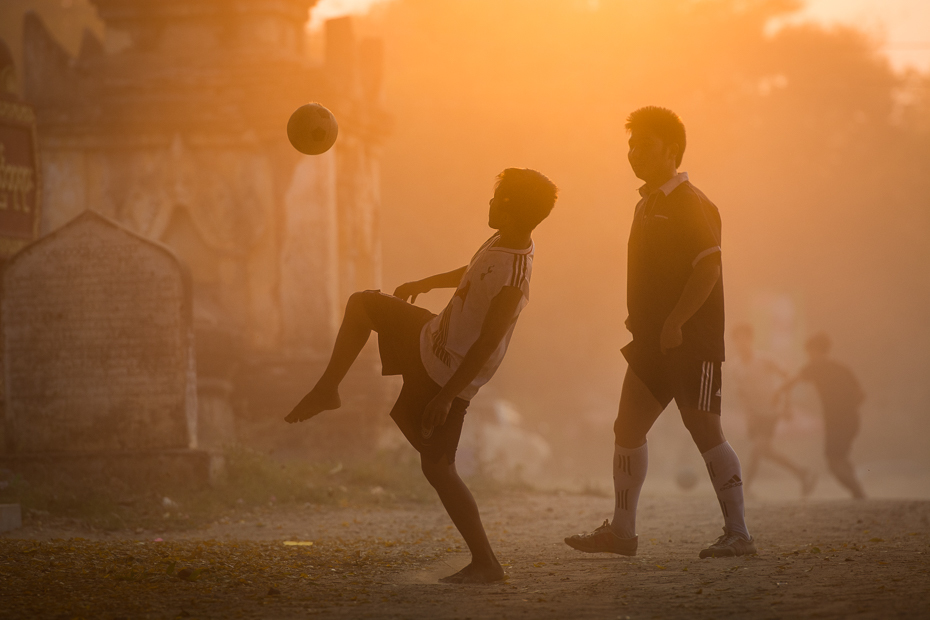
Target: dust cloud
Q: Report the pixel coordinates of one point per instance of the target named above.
(812, 147)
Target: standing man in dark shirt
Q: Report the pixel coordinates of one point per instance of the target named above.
(675, 303)
(840, 396)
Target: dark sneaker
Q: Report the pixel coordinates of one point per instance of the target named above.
(730, 545)
(603, 540)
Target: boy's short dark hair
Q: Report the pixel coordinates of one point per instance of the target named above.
(819, 342)
(530, 194)
(663, 123)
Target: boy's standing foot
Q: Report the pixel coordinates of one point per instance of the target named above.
(474, 573)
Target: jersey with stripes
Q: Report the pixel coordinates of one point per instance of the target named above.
(446, 339)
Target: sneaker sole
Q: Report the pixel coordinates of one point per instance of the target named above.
(582, 549)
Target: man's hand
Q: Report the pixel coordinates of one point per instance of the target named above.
(410, 290)
(435, 414)
(671, 336)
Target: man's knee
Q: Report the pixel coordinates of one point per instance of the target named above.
(626, 435)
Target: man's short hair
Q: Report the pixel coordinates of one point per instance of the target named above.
(531, 195)
(661, 122)
(819, 342)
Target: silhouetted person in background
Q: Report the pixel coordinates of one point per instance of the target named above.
(444, 359)
(757, 380)
(675, 303)
(840, 397)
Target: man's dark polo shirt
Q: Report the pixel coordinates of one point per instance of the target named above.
(674, 228)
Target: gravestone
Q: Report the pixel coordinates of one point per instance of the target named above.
(98, 345)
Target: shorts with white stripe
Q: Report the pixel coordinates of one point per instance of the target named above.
(692, 383)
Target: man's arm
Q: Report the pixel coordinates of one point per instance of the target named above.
(697, 290)
(410, 290)
(496, 323)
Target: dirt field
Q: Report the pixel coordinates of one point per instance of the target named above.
(822, 559)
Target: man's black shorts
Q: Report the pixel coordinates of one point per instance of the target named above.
(398, 325)
(692, 383)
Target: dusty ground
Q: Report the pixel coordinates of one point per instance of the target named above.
(822, 559)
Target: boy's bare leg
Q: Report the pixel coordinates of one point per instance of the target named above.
(461, 506)
(353, 334)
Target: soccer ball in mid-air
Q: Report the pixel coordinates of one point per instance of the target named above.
(312, 129)
(686, 478)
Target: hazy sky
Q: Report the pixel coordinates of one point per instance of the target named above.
(903, 24)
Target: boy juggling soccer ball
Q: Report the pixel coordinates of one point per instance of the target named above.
(444, 359)
(675, 303)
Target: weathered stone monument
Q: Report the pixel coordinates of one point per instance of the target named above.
(173, 125)
(99, 354)
(20, 187)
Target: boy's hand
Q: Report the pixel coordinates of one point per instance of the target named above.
(409, 291)
(435, 414)
(671, 336)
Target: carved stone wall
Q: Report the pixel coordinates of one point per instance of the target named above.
(98, 344)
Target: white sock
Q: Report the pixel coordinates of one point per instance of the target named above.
(629, 475)
(725, 475)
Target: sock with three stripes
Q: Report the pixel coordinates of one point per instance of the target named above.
(727, 478)
(629, 475)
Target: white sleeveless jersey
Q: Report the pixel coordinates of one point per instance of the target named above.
(446, 339)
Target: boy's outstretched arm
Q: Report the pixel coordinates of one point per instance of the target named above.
(410, 290)
(500, 315)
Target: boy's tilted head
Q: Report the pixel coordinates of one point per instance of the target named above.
(522, 198)
(661, 123)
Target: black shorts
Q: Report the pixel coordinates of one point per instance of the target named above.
(399, 325)
(692, 383)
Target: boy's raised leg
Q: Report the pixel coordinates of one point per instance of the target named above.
(353, 334)
(460, 504)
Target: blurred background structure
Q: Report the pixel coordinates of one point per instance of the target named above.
(812, 135)
(169, 120)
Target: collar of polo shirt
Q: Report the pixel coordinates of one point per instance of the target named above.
(668, 187)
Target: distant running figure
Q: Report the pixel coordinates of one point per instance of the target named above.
(757, 380)
(840, 397)
(675, 303)
(445, 359)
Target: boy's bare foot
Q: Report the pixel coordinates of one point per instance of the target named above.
(474, 573)
(317, 401)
